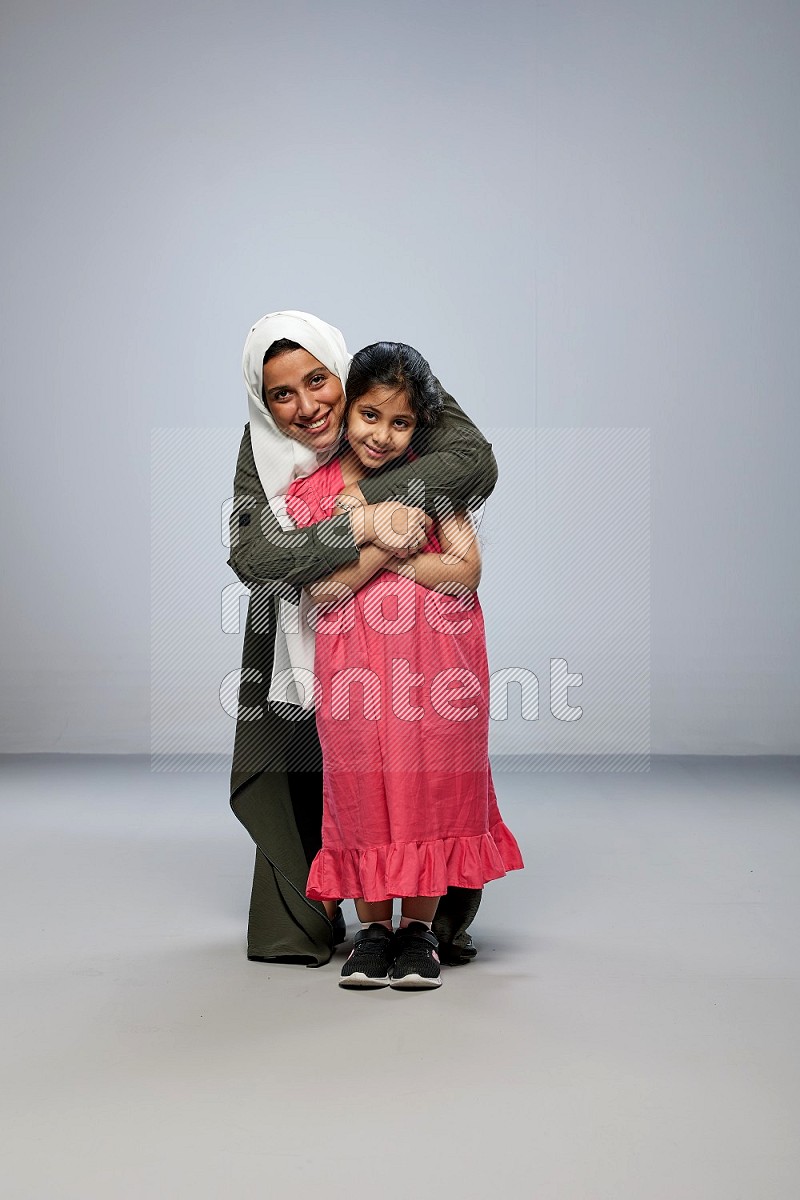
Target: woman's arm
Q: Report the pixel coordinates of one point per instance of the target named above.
(261, 550)
(455, 468)
(456, 568)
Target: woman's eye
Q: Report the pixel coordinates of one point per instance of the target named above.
(318, 378)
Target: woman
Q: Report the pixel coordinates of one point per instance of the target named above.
(295, 367)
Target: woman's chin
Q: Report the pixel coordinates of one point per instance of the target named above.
(323, 441)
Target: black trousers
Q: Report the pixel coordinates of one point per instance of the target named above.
(305, 790)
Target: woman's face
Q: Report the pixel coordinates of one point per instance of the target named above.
(305, 398)
(380, 425)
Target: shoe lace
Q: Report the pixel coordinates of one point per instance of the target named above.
(373, 946)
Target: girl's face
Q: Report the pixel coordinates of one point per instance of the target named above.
(380, 426)
(305, 398)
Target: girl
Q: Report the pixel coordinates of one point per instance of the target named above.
(402, 701)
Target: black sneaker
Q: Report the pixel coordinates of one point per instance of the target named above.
(370, 959)
(416, 961)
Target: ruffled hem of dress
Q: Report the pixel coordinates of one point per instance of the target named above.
(414, 868)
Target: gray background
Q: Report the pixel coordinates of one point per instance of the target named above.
(585, 215)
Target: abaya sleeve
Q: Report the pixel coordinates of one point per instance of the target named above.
(261, 550)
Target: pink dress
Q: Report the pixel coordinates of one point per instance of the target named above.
(409, 807)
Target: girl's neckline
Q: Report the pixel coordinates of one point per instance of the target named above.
(353, 470)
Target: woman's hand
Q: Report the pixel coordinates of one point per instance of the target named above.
(394, 527)
(385, 532)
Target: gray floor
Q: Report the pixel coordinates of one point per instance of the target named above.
(630, 1029)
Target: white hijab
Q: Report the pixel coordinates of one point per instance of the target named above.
(280, 460)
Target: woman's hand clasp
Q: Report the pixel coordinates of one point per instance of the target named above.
(399, 527)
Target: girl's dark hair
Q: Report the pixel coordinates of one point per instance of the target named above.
(396, 365)
(280, 347)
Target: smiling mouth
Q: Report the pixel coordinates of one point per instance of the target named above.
(314, 426)
(374, 453)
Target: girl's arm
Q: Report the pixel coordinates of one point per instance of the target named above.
(341, 584)
(456, 568)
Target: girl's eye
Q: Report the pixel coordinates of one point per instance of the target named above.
(401, 424)
(367, 414)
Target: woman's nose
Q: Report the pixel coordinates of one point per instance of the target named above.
(307, 404)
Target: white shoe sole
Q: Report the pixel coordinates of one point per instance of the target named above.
(414, 982)
(359, 980)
